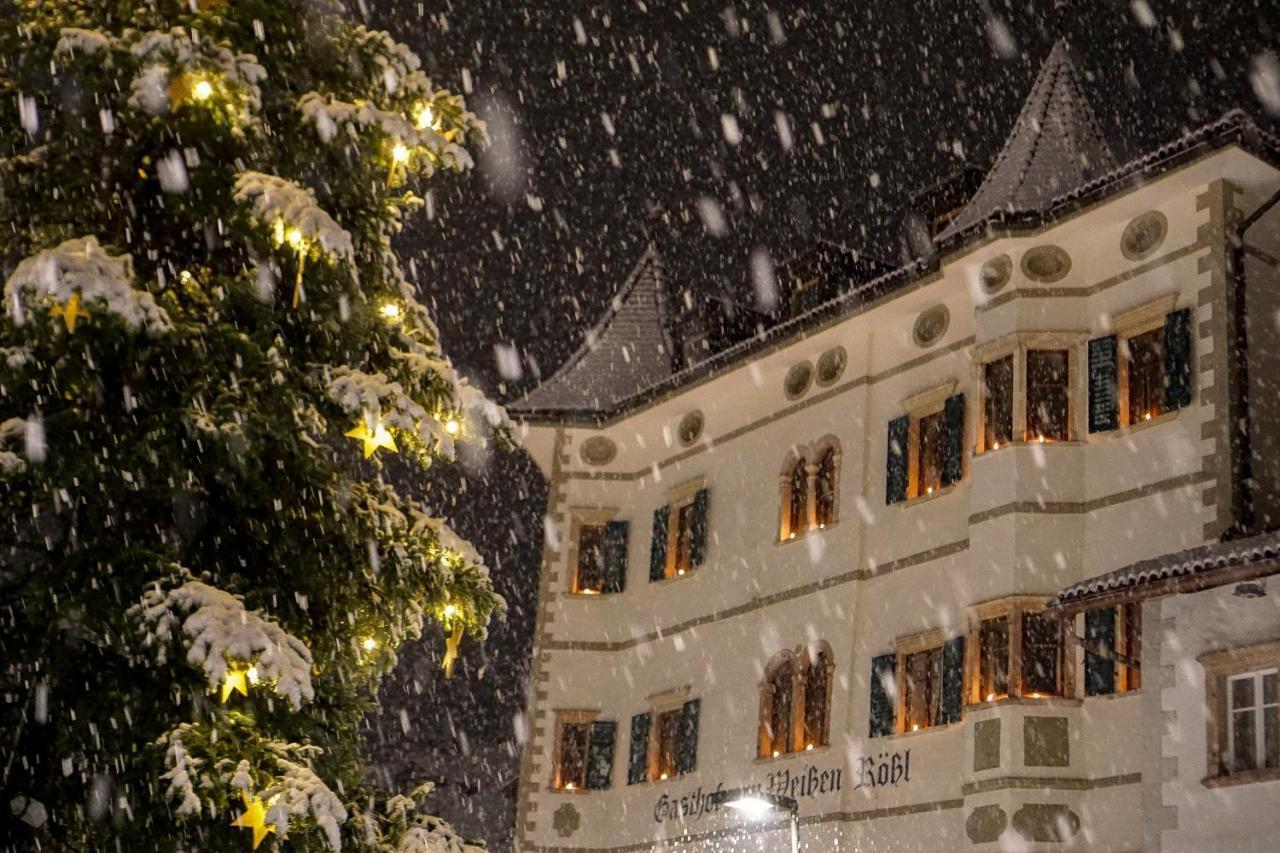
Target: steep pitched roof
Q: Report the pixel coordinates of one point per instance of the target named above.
(628, 350)
(1055, 146)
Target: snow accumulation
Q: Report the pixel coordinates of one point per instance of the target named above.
(220, 630)
(182, 767)
(299, 792)
(82, 266)
(164, 53)
(329, 115)
(435, 838)
(273, 199)
(372, 394)
(11, 430)
(88, 42)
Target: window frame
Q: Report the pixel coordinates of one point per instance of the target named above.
(803, 660)
(917, 407)
(1126, 678)
(1133, 323)
(661, 704)
(809, 459)
(1219, 667)
(563, 719)
(1017, 345)
(1013, 608)
(581, 517)
(679, 499)
(904, 648)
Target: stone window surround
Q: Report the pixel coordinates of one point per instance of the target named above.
(917, 407)
(578, 518)
(811, 454)
(1075, 651)
(1013, 607)
(1131, 323)
(563, 717)
(678, 497)
(911, 644)
(1017, 344)
(802, 659)
(663, 702)
(1218, 665)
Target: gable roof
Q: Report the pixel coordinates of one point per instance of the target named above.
(1056, 146)
(629, 349)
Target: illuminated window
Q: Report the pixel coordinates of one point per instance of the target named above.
(922, 688)
(571, 755)
(668, 730)
(997, 403)
(1047, 395)
(824, 488)
(929, 454)
(1145, 375)
(589, 577)
(993, 656)
(795, 702)
(798, 499)
(1041, 655)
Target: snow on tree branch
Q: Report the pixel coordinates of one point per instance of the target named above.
(220, 630)
(81, 266)
(299, 792)
(274, 200)
(365, 394)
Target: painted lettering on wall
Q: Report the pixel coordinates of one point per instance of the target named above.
(691, 806)
(799, 784)
(884, 770)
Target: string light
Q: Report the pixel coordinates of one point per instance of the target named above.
(369, 644)
(452, 426)
(202, 90)
(400, 153)
(424, 117)
(390, 311)
(450, 610)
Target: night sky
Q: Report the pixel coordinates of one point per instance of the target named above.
(620, 124)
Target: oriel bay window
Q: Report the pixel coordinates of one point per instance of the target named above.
(598, 552)
(918, 686)
(1143, 370)
(679, 533)
(926, 446)
(808, 485)
(1016, 650)
(584, 751)
(664, 739)
(1028, 383)
(795, 701)
(1242, 704)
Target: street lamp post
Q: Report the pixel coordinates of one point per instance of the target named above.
(754, 805)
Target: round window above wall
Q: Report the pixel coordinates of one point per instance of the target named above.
(1144, 235)
(798, 379)
(598, 450)
(995, 273)
(931, 325)
(832, 364)
(1046, 264)
(690, 429)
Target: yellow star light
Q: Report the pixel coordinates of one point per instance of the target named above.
(254, 817)
(374, 438)
(451, 645)
(70, 312)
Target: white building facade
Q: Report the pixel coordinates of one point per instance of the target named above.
(818, 560)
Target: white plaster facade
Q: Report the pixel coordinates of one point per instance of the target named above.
(1026, 519)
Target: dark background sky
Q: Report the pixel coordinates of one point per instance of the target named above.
(609, 132)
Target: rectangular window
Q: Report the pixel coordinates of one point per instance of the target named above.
(923, 682)
(929, 459)
(668, 730)
(684, 539)
(571, 758)
(1131, 648)
(993, 658)
(997, 409)
(1047, 395)
(1145, 374)
(589, 578)
(1253, 714)
(1041, 655)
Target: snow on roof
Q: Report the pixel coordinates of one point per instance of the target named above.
(1055, 146)
(627, 351)
(1198, 564)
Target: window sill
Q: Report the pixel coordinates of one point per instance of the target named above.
(1115, 694)
(812, 531)
(1130, 429)
(1064, 701)
(661, 781)
(937, 727)
(573, 593)
(678, 576)
(569, 791)
(1056, 442)
(783, 756)
(929, 496)
(1244, 777)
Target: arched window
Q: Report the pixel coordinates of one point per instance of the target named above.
(795, 507)
(778, 720)
(817, 699)
(824, 489)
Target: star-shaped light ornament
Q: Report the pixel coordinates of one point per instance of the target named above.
(70, 312)
(451, 645)
(237, 680)
(254, 817)
(373, 435)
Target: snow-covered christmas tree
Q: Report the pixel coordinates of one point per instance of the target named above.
(207, 351)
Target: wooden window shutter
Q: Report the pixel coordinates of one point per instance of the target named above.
(658, 550)
(1177, 359)
(883, 711)
(687, 753)
(600, 754)
(896, 472)
(1099, 635)
(1104, 390)
(638, 759)
(615, 555)
(953, 440)
(952, 680)
(698, 531)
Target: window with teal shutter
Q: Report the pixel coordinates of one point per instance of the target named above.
(658, 550)
(1099, 645)
(896, 475)
(687, 756)
(1104, 389)
(615, 555)
(882, 705)
(952, 680)
(1177, 359)
(600, 754)
(698, 528)
(638, 759)
(953, 440)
